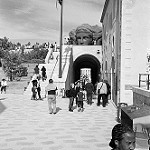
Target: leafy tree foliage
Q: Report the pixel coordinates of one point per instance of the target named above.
(15, 58)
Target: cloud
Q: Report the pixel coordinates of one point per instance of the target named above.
(41, 19)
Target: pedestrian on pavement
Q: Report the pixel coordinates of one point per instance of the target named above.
(55, 47)
(102, 93)
(77, 88)
(3, 86)
(36, 70)
(39, 88)
(50, 91)
(43, 73)
(72, 95)
(80, 100)
(108, 90)
(123, 138)
(89, 88)
(34, 90)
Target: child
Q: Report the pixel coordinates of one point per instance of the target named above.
(80, 96)
(3, 85)
(34, 90)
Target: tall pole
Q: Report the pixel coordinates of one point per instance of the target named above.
(61, 34)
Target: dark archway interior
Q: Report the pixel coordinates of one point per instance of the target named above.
(87, 61)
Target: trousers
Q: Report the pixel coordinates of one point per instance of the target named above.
(51, 103)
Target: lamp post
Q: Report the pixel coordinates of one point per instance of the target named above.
(61, 33)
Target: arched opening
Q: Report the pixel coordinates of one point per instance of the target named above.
(87, 61)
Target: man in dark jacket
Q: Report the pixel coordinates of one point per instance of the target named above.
(43, 73)
(72, 95)
(89, 88)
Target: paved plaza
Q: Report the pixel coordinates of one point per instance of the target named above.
(26, 125)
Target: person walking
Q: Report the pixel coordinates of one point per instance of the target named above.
(36, 70)
(77, 88)
(43, 73)
(50, 92)
(80, 100)
(72, 95)
(3, 86)
(108, 90)
(39, 88)
(123, 138)
(89, 88)
(34, 90)
(102, 93)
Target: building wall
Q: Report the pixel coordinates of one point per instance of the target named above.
(95, 50)
(131, 33)
(135, 37)
(111, 47)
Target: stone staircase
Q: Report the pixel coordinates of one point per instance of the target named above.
(52, 71)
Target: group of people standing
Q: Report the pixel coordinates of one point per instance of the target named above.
(36, 85)
(79, 93)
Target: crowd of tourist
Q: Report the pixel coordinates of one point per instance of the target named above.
(80, 92)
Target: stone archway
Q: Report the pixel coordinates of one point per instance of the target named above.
(86, 61)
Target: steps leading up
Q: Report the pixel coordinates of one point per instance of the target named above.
(52, 71)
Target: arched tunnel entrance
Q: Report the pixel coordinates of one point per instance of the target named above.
(86, 61)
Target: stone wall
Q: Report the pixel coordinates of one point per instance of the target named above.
(141, 96)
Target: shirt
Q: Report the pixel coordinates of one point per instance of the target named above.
(3, 83)
(51, 89)
(80, 96)
(103, 88)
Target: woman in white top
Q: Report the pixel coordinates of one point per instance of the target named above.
(101, 90)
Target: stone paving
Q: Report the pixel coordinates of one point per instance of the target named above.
(26, 125)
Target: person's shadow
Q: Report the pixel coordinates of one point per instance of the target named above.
(58, 109)
(2, 107)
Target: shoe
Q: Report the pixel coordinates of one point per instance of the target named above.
(54, 113)
(71, 110)
(50, 112)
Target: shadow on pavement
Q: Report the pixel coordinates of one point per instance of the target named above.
(2, 107)
(2, 99)
(58, 109)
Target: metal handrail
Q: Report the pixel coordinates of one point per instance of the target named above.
(54, 66)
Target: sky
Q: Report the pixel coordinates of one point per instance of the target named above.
(30, 20)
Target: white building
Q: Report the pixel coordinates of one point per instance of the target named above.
(126, 34)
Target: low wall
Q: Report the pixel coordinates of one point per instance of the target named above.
(141, 96)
